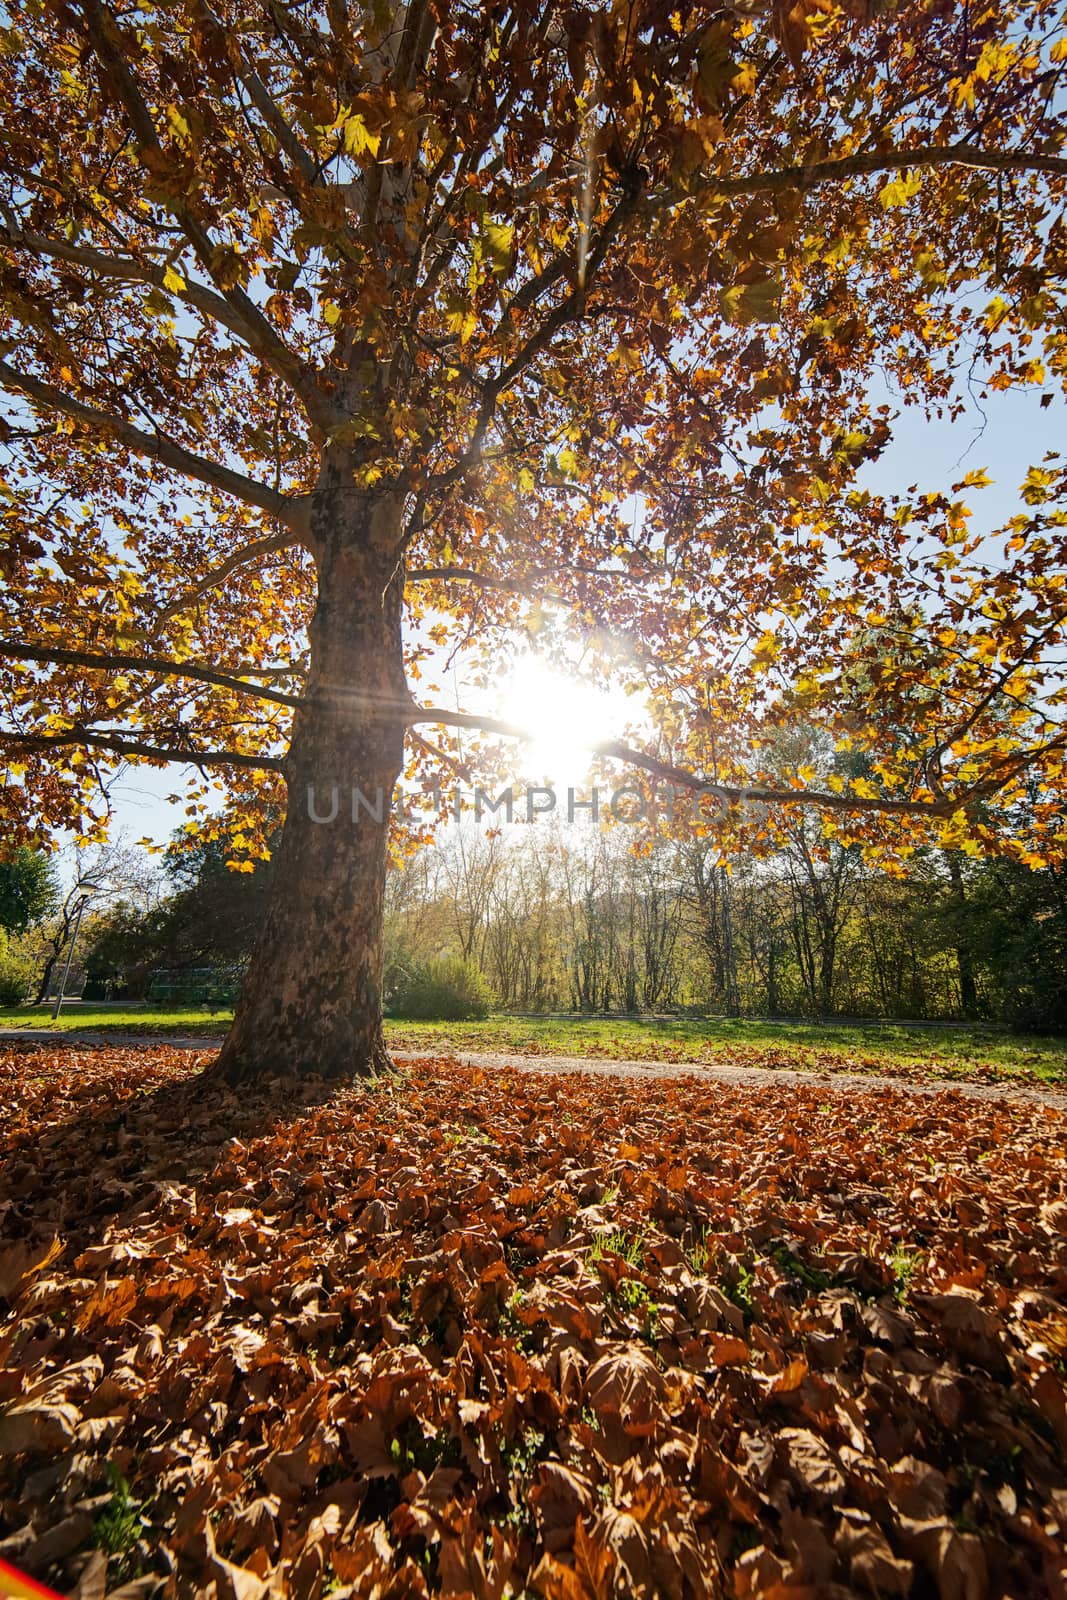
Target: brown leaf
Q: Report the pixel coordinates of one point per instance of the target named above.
(887, 1323)
(627, 1382)
(472, 1565)
(917, 1489)
(37, 1429)
(726, 1351)
(92, 1582)
(956, 1561)
(1051, 1400)
(559, 1497)
(811, 1463)
(969, 1329)
(20, 1261)
(57, 1542)
(873, 1568)
(365, 1558)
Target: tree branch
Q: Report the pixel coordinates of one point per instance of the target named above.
(566, 311)
(12, 650)
(869, 165)
(614, 750)
(271, 351)
(219, 574)
(290, 509)
(119, 744)
(464, 575)
(269, 110)
(106, 40)
(961, 729)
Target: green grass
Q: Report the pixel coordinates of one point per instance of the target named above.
(87, 1016)
(948, 1052)
(943, 1051)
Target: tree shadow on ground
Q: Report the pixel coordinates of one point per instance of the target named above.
(91, 1137)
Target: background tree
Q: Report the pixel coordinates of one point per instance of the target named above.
(102, 874)
(316, 317)
(207, 916)
(28, 889)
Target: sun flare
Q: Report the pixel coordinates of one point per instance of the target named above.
(563, 713)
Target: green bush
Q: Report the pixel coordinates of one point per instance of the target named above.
(448, 990)
(16, 973)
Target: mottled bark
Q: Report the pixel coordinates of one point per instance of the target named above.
(311, 1002)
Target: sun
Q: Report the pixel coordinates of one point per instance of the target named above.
(563, 713)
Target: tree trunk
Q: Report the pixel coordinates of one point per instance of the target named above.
(964, 957)
(46, 978)
(58, 942)
(729, 963)
(311, 1001)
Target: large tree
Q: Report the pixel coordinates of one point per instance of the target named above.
(514, 316)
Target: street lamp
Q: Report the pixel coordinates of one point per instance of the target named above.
(79, 907)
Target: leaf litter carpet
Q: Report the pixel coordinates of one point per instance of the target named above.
(495, 1333)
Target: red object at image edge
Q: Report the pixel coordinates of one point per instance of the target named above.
(13, 1582)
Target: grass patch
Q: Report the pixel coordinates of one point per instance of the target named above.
(835, 1046)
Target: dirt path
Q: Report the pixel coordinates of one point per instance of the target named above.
(844, 1082)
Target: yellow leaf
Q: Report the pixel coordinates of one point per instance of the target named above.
(173, 281)
(994, 62)
(178, 124)
(464, 323)
(900, 190)
(497, 238)
(358, 137)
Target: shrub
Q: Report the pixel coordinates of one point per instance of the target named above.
(16, 973)
(447, 990)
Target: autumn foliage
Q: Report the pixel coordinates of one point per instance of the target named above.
(342, 340)
(518, 1333)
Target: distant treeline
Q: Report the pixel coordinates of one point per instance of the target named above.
(577, 920)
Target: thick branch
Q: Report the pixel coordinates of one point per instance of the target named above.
(538, 580)
(269, 349)
(271, 113)
(290, 509)
(107, 41)
(1010, 769)
(12, 650)
(482, 580)
(868, 165)
(614, 750)
(219, 574)
(120, 745)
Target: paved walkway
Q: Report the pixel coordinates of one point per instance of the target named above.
(705, 1072)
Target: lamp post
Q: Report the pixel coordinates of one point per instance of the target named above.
(78, 909)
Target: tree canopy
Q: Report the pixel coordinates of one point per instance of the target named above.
(338, 338)
(28, 890)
